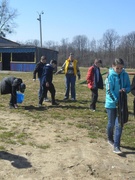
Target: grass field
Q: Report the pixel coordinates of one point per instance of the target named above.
(78, 112)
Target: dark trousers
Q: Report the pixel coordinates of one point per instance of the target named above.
(94, 97)
(51, 89)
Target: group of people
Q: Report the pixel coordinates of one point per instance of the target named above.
(117, 81)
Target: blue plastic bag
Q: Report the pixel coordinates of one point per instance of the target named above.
(20, 97)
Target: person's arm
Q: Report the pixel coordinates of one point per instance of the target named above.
(62, 68)
(110, 84)
(78, 72)
(35, 71)
(14, 95)
(89, 75)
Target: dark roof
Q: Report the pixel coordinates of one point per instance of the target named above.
(7, 43)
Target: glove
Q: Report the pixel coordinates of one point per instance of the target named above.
(79, 77)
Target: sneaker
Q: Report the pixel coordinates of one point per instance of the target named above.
(111, 142)
(65, 98)
(55, 103)
(117, 150)
(40, 105)
(46, 100)
(11, 107)
(73, 99)
(92, 110)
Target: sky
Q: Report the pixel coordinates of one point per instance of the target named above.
(65, 19)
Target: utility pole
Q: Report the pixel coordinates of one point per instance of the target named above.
(40, 26)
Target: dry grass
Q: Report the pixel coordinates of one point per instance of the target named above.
(78, 111)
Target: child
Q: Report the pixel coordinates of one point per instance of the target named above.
(117, 80)
(94, 82)
(46, 82)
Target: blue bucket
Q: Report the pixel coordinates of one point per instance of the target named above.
(20, 97)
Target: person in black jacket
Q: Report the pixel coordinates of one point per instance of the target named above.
(10, 85)
(38, 70)
(46, 82)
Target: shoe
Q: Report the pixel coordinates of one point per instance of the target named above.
(73, 99)
(40, 105)
(111, 142)
(11, 107)
(65, 98)
(46, 100)
(117, 150)
(55, 103)
(92, 110)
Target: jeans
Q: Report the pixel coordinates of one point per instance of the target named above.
(114, 129)
(40, 89)
(70, 80)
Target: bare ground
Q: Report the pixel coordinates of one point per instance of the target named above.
(69, 153)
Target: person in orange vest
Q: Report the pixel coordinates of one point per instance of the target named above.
(71, 69)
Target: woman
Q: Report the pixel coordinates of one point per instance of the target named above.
(117, 81)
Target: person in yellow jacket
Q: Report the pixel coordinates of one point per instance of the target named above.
(71, 69)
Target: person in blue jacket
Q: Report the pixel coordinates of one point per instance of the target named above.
(116, 81)
(47, 85)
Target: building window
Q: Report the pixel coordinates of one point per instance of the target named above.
(23, 57)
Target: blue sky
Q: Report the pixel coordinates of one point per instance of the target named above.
(67, 19)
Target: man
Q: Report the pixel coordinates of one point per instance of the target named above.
(38, 70)
(95, 82)
(10, 85)
(71, 69)
(46, 82)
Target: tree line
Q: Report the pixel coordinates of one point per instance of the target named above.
(108, 48)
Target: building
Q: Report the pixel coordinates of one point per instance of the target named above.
(17, 57)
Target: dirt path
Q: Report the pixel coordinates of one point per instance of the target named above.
(69, 153)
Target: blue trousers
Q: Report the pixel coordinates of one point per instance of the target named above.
(40, 89)
(70, 81)
(114, 129)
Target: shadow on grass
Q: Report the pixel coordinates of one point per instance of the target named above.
(31, 107)
(16, 160)
(71, 101)
(67, 107)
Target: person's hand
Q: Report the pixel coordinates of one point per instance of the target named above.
(123, 89)
(47, 84)
(34, 80)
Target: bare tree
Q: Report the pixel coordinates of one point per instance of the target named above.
(7, 16)
(110, 43)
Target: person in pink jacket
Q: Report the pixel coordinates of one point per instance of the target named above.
(94, 82)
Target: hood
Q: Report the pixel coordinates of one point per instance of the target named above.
(112, 72)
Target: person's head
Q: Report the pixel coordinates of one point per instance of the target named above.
(71, 56)
(53, 63)
(98, 62)
(43, 59)
(118, 65)
(22, 87)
